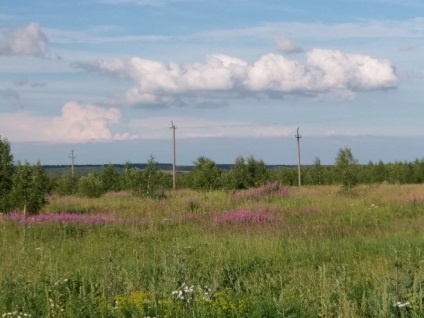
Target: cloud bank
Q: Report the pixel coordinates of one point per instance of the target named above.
(77, 123)
(272, 75)
(27, 41)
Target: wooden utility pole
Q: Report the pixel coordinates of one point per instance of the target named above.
(72, 163)
(174, 155)
(298, 156)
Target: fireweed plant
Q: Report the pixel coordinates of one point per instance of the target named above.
(311, 252)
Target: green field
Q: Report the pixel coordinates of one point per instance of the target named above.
(301, 252)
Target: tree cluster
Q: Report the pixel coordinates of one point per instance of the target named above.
(22, 187)
(25, 187)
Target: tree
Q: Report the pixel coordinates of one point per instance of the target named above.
(246, 174)
(317, 173)
(6, 172)
(205, 174)
(110, 178)
(90, 186)
(147, 182)
(67, 184)
(346, 169)
(125, 177)
(236, 178)
(256, 172)
(30, 185)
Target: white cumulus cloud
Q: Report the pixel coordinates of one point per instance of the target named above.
(273, 75)
(26, 41)
(78, 122)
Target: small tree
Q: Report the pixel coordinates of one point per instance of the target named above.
(246, 174)
(317, 173)
(30, 185)
(147, 182)
(110, 178)
(346, 169)
(6, 172)
(256, 172)
(236, 178)
(90, 186)
(125, 177)
(67, 184)
(205, 174)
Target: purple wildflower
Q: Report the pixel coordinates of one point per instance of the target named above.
(242, 216)
(63, 217)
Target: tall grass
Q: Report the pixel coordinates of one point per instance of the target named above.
(311, 252)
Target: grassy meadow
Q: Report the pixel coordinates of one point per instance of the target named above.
(288, 252)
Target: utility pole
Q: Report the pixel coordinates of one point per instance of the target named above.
(174, 156)
(298, 156)
(72, 163)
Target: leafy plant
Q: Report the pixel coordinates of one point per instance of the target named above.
(246, 174)
(148, 182)
(90, 186)
(205, 174)
(346, 169)
(110, 178)
(66, 184)
(6, 172)
(30, 185)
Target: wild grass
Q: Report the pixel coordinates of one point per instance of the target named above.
(312, 252)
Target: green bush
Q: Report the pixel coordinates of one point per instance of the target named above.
(205, 175)
(6, 172)
(30, 185)
(90, 186)
(66, 185)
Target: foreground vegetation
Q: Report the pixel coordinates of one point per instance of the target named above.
(271, 251)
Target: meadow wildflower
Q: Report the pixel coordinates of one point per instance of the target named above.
(243, 216)
(62, 218)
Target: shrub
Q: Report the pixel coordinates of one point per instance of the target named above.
(6, 172)
(30, 185)
(90, 186)
(346, 169)
(205, 175)
(66, 185)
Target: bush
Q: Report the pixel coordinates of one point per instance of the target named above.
(90, 186)
(6, 172)
(66, 185)
(205, 175)
(346, 169)
(148, 182)
(30, 185)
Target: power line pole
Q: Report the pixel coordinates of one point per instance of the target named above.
(298, 156)
(174, 155)
(72, 163)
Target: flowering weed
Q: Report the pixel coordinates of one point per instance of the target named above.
(63, 218)
(243, 216)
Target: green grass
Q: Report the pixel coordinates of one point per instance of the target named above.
(323, 254)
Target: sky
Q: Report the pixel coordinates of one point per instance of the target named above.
(107, 78)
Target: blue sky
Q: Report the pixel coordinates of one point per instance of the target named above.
(105, 78)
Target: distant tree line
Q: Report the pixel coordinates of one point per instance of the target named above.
(244, 173)
(25, 187)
